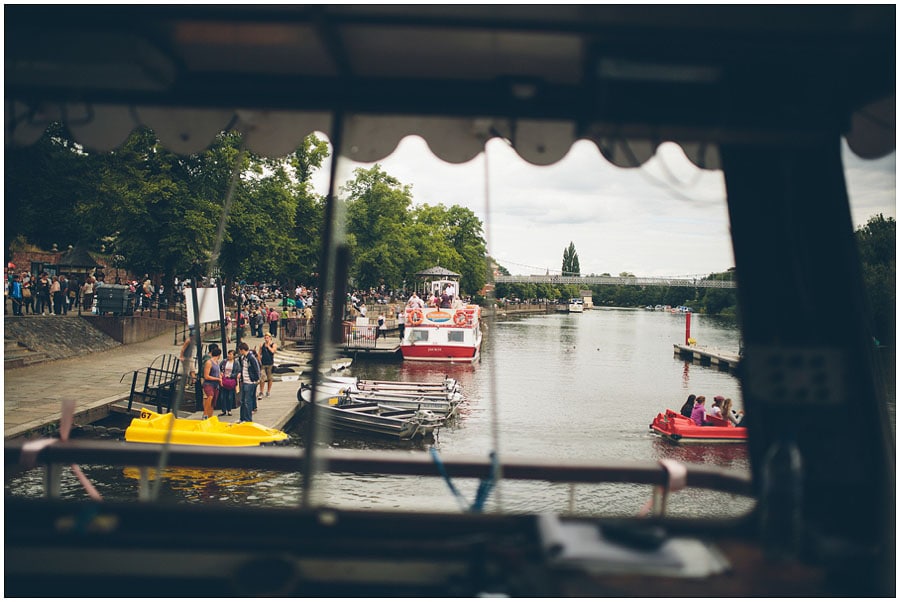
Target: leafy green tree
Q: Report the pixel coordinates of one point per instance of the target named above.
(570, 266)
(877, 241)
(377, 209)
(390, 239)
(45, 183)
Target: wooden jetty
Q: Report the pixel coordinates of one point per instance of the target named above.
(724, 360)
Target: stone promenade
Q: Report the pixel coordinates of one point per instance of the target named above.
(32, 395)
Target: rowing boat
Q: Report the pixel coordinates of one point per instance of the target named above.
(372, 418)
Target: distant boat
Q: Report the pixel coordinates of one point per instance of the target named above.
(576, 306)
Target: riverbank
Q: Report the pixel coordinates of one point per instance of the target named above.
(99, 381)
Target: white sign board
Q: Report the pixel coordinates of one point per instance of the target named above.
(208, 302)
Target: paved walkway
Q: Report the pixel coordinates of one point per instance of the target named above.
(33, 395)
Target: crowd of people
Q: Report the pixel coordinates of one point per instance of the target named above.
(47, 294)
(695, 409)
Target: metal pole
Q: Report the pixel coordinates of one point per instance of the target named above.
(198, 343)
(221, 316)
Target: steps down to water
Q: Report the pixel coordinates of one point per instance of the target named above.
(18, 355)
(34, 339)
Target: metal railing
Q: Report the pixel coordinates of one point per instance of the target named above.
(57, 454)
(617, 281)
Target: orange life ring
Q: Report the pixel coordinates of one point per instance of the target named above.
(416, 317)
(459, 318)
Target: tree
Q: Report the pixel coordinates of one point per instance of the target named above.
(377, 207)
(570, 265)
(877, 241)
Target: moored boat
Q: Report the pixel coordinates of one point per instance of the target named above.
(678, 429)
(576, 306)
(151, 427)
(376, 418)
(449, 333)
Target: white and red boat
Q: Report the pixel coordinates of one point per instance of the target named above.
(445, 334)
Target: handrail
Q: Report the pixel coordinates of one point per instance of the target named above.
(290, 459)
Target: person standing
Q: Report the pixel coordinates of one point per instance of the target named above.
(249, 381)
(56, 295)
(87, 293)
(15, 293)
(212, 379)
(231, 378)
(401, 322)
(43, 295)
(64, 291)
(273, 322)
(28, 293)
(382, 327)
(267, 361)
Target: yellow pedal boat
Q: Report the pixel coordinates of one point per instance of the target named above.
(152, 428)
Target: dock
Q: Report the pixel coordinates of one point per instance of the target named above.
(100, 384)
(724, 360)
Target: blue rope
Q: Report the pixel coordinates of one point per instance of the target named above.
(484, 486)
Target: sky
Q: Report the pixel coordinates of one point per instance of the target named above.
(665, 219)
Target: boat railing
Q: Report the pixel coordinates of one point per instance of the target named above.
(53, 455)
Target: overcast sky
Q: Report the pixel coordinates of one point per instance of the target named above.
(667, 218)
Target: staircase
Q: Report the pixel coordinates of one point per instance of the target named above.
(18, 355)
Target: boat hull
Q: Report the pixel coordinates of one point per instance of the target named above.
(440, 353)
(676, 428)
(373, 418)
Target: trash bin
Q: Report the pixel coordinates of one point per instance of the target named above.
(114, 299)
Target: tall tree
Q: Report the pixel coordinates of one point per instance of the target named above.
(570, 265)
(376, 207)
(877, 241)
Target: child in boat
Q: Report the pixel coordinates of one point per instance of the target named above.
(729, 414)
(698, 414)
(688, 406)
(716, 409)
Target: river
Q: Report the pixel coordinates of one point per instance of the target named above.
(557, 387)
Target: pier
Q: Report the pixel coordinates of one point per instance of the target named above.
(724, 360)
(100, 381)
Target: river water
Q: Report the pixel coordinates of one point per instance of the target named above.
(552, 387)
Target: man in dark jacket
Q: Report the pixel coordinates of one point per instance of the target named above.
(249, 382)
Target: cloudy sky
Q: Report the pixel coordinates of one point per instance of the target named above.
(667, 218)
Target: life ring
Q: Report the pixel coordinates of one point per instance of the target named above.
(416, 317)
(459, 318)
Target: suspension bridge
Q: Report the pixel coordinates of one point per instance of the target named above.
(615, 281)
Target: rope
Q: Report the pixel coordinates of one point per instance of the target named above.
(485, 485)
(496, 471)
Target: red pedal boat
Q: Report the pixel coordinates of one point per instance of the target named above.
(678, 429)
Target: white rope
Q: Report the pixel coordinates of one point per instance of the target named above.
(492, 368)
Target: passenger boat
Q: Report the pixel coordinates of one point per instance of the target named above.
(373, 418)
(678, 429)
(442, 334)
(151, 427)
(576, 306)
